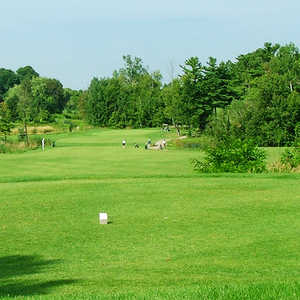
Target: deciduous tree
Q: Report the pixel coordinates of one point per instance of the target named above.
(6, 123)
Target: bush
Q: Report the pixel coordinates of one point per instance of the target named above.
(291, 157)
(289, 161)
(232, 155)
(4, 149)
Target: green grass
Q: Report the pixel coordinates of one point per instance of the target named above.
(173, 233)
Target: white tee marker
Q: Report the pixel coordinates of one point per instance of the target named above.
(103, 218)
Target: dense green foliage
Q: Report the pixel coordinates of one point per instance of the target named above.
(130, 98)
(134, 97)
(5, 121)
(255, 97)
(291, 157)
(40, 97)
(268, 106)
(232, 155)
(7, 80)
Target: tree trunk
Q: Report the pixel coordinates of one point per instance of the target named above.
(176, 127)
(26, 133)
(177, 130)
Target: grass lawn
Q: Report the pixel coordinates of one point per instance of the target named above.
(173, 233)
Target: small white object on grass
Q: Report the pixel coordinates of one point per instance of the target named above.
(103, 218)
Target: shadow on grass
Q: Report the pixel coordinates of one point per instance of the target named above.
(14, 272)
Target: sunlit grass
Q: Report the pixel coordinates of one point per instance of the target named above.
(173, 233)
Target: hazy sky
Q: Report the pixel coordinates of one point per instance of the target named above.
(75, 40)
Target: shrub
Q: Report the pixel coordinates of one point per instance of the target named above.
(4, 148)
(232, 155)
(291, 157)
(21, 134)
(289, 161)
(278, 167)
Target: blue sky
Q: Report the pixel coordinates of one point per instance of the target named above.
(76, 40)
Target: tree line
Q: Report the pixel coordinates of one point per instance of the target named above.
(256, 96)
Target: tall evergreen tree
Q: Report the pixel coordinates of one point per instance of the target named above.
(196, 107)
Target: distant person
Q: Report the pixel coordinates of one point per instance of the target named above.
(149, 142)
(124, 143)
(164, 143)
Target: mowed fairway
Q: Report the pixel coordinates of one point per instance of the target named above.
(173, 233)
